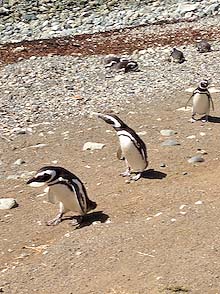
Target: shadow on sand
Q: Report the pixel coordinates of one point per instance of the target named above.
(153, 174)
(214, 119)
(88, 219)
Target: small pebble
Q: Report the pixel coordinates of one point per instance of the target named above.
(168, 133)
(170, 143)
(199, 202)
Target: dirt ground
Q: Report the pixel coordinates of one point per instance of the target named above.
(150, 243)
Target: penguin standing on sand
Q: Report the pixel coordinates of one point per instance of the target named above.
(201, 101)
(132, 147)
(65, 188)
(176, 56)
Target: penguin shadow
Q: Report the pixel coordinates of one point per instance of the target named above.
(90, 218)
(214, 119)
(153, 174)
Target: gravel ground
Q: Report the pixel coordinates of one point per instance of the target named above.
(55, 88)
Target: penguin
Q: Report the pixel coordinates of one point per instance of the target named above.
(177, 56)
(203, 46)
(201, 101)
(67, 189)
(121, 64)
(132, 148)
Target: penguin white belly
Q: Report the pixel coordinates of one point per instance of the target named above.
(61, 193)
(132, 154)
(201, 104)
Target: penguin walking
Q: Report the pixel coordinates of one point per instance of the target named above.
(203, 46)
(65, 188)
(201, 101)
(177, 56)
(121, 64)
(132, 148)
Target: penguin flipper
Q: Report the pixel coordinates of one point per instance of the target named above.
(189, 100)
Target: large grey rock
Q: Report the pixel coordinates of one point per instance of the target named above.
(186, 7)
(7, 203)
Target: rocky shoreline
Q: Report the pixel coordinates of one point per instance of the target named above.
(43, 19)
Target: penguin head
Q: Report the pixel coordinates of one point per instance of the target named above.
(204, 84)
(112, 119)
(131, 66)
(44, 176)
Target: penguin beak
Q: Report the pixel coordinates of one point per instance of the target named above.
(33, 182)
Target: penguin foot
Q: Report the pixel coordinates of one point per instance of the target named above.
(192, 120)
(55, 221)
(136, 177)
(77, 220)
(127, 173)
(204, 119)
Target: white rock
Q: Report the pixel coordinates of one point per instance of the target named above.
(182, 206)
(188, 108)
(191, 137)
(142, 133)
(158, 214)
(38, 146)
(202, 134)
(7, 203)
(93, 146)
(199, 202)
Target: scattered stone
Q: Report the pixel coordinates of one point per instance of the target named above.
(202, 134)
(191, 137)
(168, 133)
(158, 214)
(195, 159)
(182, 206)
(170, 142)
(19, 161)
(143, 133)
(7, 203)
(201, 151)
(173, 220)
(199, 202)
(40, 145)
(162, 165)
(93, 146)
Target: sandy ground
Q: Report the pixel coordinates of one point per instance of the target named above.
(150, 243)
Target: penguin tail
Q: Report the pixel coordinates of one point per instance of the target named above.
(91, 205)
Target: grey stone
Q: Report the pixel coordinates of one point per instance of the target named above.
(170, 142)
(7, 203)
(195, 159)
(168, 132)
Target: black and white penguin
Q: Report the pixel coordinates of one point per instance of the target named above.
(133, 149)
(65, 188)
(203, 46)
(201, 101)
(177, 56)
(121, 64)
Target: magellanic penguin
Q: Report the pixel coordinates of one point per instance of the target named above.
(65, 188)
(133, 149)
(121, 64)
(201, 101)
(203, 46)
(176, 56)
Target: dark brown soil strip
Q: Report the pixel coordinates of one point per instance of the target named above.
(116, 42)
